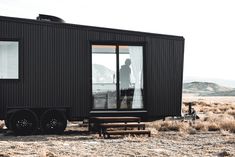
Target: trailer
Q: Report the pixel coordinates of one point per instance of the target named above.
(52, 72)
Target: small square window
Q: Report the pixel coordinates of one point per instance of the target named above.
(9, 60)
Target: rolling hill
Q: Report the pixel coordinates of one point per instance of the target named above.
(207, 89)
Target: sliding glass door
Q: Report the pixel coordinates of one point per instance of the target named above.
(104, 77)
(131, 77)
(117, 77)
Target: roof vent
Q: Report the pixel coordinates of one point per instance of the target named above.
(42, 17)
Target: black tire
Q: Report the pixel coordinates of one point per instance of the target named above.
(53, 122)
(23, 122)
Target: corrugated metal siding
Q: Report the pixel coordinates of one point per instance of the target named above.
(164, 77)
(55, 67)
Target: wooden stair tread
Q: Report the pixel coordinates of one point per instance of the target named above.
(123, 132)
(115, 119)
(126, 131)
(122, 125)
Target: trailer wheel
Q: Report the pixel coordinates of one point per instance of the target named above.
(53, 122)
(23, 122)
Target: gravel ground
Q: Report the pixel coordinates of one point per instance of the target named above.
(76, 143)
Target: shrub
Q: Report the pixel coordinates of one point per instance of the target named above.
(228, 125)
(173, 126)
(200, 126)
(231, 112)
(213, 127)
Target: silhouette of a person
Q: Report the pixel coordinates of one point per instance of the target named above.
(125, 84)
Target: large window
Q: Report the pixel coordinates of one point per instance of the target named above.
(104, 76)
(117, 77)
(9, 51)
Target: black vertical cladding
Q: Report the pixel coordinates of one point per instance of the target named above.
(55, 67)
(164, 76)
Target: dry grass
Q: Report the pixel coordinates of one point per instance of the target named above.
(214, 122)
(228, 125)
(169, 125)
(216, 117)
(213, 127)
(210, 124)
(200, 126)
(217, 108)
(231, 112)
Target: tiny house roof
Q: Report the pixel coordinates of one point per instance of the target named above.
(77, 26)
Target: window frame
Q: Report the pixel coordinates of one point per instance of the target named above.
(117, 44)
(19, 56)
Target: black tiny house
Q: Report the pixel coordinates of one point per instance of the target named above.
(72, 72)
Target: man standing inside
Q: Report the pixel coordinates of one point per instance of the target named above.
(125, 84)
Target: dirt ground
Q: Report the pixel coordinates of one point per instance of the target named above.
(160, 144)
(77, 142)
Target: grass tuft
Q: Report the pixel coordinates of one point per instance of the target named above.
(215, 117)
(213, 127)
(228, 125)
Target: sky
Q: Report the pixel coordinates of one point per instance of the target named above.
(208, 26)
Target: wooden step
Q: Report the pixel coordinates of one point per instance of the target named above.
(104, 126)
(117, 125)
(114, 119)
(127, 132)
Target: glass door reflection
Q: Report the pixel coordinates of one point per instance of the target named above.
(104, 77)
(131, 77)
(122, 90)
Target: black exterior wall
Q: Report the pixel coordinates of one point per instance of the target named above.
(55, 67)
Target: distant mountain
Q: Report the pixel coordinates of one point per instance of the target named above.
(223, 82)
(207, 89)
(102, 74)
(224, 93)
(204, 87)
